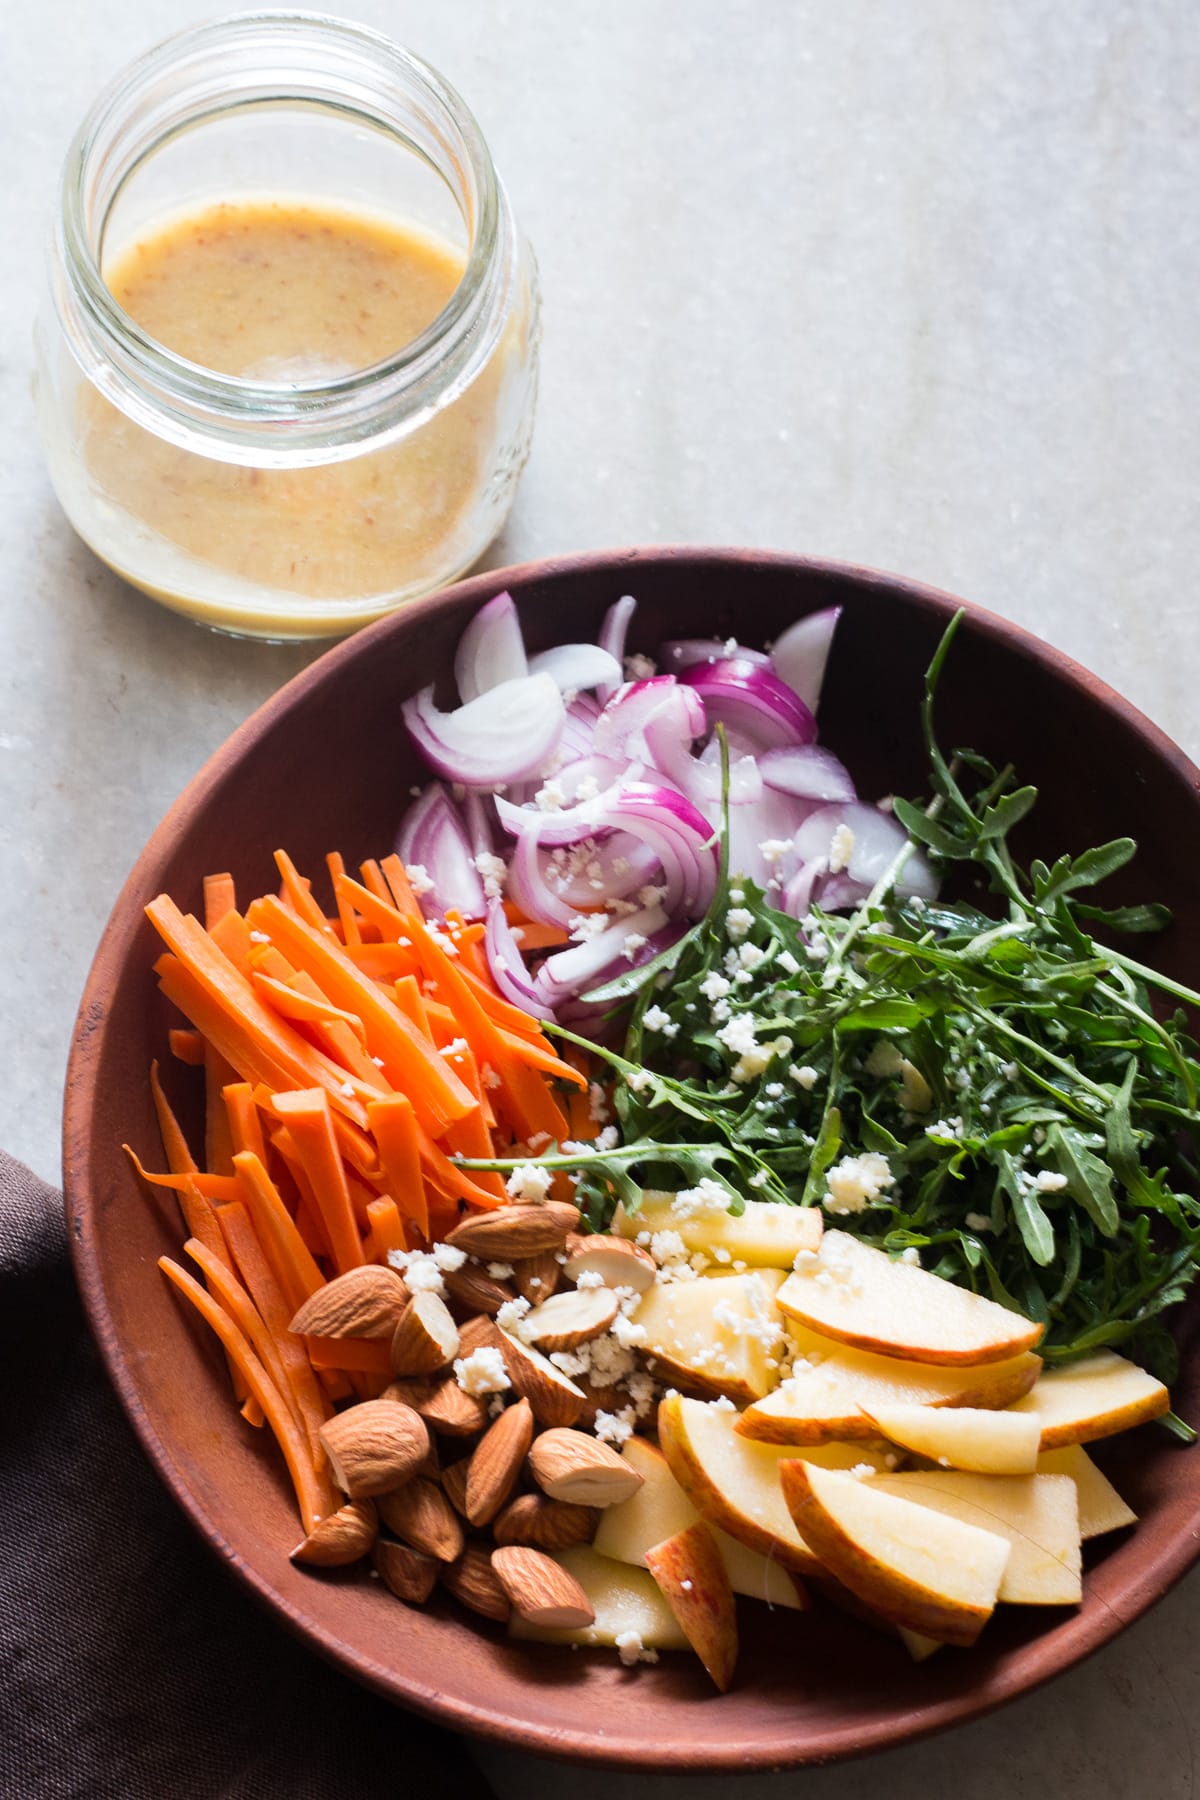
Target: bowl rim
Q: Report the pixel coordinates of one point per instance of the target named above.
(473, 1715)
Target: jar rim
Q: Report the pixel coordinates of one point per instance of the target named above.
(296, 58)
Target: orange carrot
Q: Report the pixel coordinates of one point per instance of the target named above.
(180, 1160)
(346, 914)
(387, 1228)
(292, 1001)
(368, 1356)
(396, 1132)
(292, 1265)
(245, 1126)
(245, 1315)
(383, 962)
(373, 880)
(231, 935)
(209, 1187)
(309, 1122)
(314, 1494)
(186, 1047)
(411, 1002)
(298, 892)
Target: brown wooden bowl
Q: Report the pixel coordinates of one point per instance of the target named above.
(324, 765)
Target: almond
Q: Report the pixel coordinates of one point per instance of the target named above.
(569, 1465)
(618, 1262)
(571, 1318)
(409, 1574)
(473, 1581)
(513, 1232)
(441, 1403)
(475, 1332)
(420, 1513)
(454, 1484)
(545, 1524)
(497, 1462)
(554, 1399)
(540, 1590)
(536, 1277)
(343, 1537)
(362, 1303)
(595, 1400)
(426, 1337)
(476, 1291)
(374, 1447)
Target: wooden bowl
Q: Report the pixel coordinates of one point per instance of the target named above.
(324, 765)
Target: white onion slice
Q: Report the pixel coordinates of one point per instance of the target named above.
(576, 667)
(809, 771)
(506, 734)
(490, 650)
(799, 656)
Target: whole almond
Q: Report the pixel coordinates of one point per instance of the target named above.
(569, 1465)
(374, 1447)
(473, 1289)
(571, 1318)
(425, 1338)
(536, 1277)
(540, 1590)
(473, 1581)
(513, 1232)
(454, 1485)
(474, 1333)
(420, 1513)
(410, 1574)
(543, 1523)
(362, 1303)
(618, 1261)
(497, 1461)
(555, 1400)
(595, 1400)
(342, 1538)
(442, 1404)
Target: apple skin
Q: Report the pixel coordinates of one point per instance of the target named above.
(692, 1580)
(987, 1442)
(1093, 1398)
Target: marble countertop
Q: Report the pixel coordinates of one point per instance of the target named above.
(914, 286)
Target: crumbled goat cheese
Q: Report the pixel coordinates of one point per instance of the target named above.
(482, 1372)
(419, 878)
(259, 937)
(760, 1180)
(499, 1271)
(494, 869)
(724, 1404)
(455, 1047)
(857, 1182)
(589, 1278)
(804, 1075)
(598, 1110)
(863, 1471)
(629, 1644)
(529, 1182)
(1049, 1181)
(615, 1427)
(945, 1128)
(550, 797)
(585, 926)
(608, 1139)
(512, 1314)
(885, 1059)
(912, 1256)
(738, 921)
(707, 1196)
(655, 1019)
(420, 1271)
(714, 986)
(448, 1257)
(628, 1333)
(489, 1077)
(634, 942)
(841, 849)
(772, 850)
(667, 1246)
(639, 667)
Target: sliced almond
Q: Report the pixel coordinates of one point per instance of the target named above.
(473, 1581)
(442, 1404)
(616, 1260)
(540, 1590)
(475, 1290)
(497, 1462)
(425, 1338)
(454, 1485)
(570, 1318)
(375, 1447)
(513, 1232)
(536, 1277)
(342, 1538)
(554, 1399)
(420, 1513)
(362, 1303)
(569, 1465)
(544, 1523)
(410, 1574)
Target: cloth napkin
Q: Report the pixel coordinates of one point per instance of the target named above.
(132, 1667)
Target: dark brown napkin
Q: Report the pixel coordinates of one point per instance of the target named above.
(131, 1665)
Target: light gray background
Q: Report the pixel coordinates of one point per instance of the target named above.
(913, 284)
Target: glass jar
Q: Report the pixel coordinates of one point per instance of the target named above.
(306, 499)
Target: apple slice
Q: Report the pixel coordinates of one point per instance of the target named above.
(832, 1387)
(963, 1437)
(858, 1294)
(767, 1235)
(629, 1608)
(1093, 1398)
(692, 1580)
(1101, 1508)
(939, 1577)
(715, 1337)
(660, 1509)
(1037, 1514)
(733, 1482)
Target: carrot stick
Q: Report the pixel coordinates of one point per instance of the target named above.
(374, 882)
(398, 886)
(209, 1187)
(310, 1125)
(367, 1356)
(231, 935)
(382, 962)
(186, 1047)
(220, 897)
(292, 1001)
(241, 1309)
(361, 1197)
(298, 892)
(314, 1495)
(387, 1227)
(292, 1265)
(398, 1137)
(245, 1126)
(180, 1160)
(346, 914)
(411, 1002)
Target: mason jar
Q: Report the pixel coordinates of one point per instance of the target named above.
(232, 435)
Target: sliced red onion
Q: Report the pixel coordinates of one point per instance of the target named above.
(565, 825)
(506, 734)
(507, 965)
(809, 771)
(762, 837)
(873, 843)
(798, 892)
(620, 729)
(618, 866)
(490, 650)
(612, 638)
(800, 655)
(677, 832)
(568, 972)
(751, 700)
(434, 838)
(576, 667)
(678, 654)
(479, 815)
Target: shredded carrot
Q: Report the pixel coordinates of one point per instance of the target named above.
(231, 934)
(293, 1266)
(309, 1122)
(374, 882)
(186, 1046)
(245, 1315)
(387, 1228)
(209, 1187)
(245, 1126)
(396, 1132)
(298, 892)
(367, 1356)
(335, 863)
(292, 1001)
(180, 1160)
(314, 1495)
(382, 962)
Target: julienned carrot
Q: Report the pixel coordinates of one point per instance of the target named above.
(231, 935)
(411, 1002)
(220, 902)
(471, 1136)
(291, 1001)
(308, 1119)
(186, 1047)
(335, 863)
(209, 1187)
(179, 1157)
(387, 1227)
(298, 891)
(358, 1356)
(245, 1315)
(394, 1127)
(373, 880)
(339, 1033)
(408, 1062)
(293, 1266)
(245, 1125)
(314, 1494)
(382, 962)
(256, 1273)
(361, 1197)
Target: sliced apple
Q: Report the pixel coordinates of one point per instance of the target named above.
(692, 1580)
(832, 1387)
(767, 1235)
(939, 1577)
(1093, 1398)
(1101, 1508)
(1037, 1514)
(733, 1482)
(715, 1337)
(759, 1577)
(963, 1437)
(627, 1602)
(859, 1295)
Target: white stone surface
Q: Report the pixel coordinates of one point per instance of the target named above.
(911, 284)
